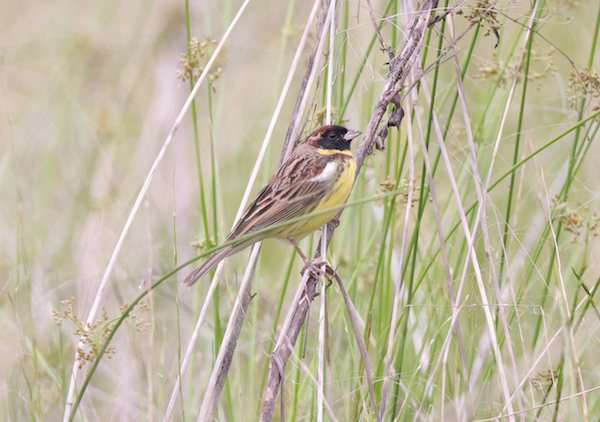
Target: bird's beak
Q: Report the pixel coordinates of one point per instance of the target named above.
(351, 134)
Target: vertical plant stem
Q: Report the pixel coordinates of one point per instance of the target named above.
(391, 336)
(225, 355)
(569, 319)
(562, 197)
(243, 203)
(516, 148)
(104, 283)
(322, 328)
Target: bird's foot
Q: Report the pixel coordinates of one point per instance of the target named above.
(315, 267)
(335, 221)
(318, 267)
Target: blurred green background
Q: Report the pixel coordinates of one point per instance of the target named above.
(89, 93)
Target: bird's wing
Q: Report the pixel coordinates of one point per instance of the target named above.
(292, 191)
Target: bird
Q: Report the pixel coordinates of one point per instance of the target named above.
(319, 174)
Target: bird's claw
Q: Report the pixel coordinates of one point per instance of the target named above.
(335, 221)
(315, 268)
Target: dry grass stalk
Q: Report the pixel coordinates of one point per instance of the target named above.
(227, 349)
(481, 196)
(372, 136)
(568, 313)
(254, 175)
(223, 362)
(113, 259)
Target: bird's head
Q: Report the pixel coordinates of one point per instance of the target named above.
(332, 137)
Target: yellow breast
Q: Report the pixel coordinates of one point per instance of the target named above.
(337, 195)
(341, 189)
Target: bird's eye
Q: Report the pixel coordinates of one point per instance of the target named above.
(331, 135)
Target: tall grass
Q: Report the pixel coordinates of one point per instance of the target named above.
(497, 279)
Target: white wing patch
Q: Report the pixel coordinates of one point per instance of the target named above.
(329, 173)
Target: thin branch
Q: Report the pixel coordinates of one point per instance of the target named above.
(288, 335)
(358, 329)
(306, 292)
(227, 349)
(396, 77)
(384, 46)
(311, 71)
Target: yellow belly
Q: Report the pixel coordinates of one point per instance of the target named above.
(337, 195)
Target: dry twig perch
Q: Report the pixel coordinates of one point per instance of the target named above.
(398, 73)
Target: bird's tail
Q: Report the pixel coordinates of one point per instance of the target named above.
(210, 263)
